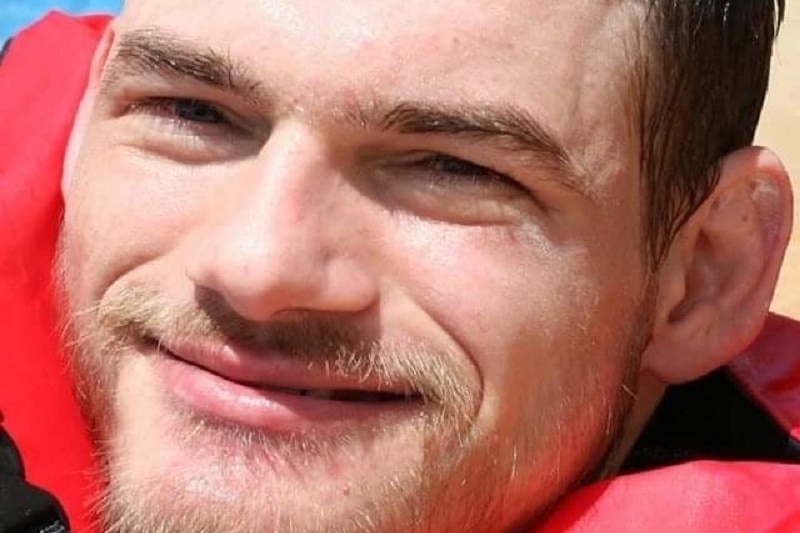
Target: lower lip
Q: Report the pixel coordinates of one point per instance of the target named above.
(264, 409)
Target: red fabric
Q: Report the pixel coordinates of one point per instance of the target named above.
(41, 82)
(770, 371)
(698, 497)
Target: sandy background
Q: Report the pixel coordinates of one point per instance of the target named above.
(780, 130)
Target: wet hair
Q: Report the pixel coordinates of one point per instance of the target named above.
(701, 85)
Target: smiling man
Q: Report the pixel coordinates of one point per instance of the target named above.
(409, 266)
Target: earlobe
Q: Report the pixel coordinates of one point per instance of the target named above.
(716, 285)
(85, 108)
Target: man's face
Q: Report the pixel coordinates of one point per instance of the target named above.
(356, 266)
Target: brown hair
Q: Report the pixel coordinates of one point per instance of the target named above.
(700, 88)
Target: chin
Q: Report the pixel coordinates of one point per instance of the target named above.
(171, 469)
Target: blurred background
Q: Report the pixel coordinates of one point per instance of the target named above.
(780, 130)
(15, 14)
(780, 126)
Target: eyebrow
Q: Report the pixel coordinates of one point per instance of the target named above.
(156, 52)
(152, 51)
(507, 128)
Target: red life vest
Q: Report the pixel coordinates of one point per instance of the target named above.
(41, 81)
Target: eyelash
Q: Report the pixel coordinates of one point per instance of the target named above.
(167, 108)
(449, 170)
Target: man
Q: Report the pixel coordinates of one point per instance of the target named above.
(413, 266)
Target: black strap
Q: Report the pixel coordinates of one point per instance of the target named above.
(10, 461)
(4, 50)
(23, 507)
(711, 418)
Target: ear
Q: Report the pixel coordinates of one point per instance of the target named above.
(717, 281)
(86, 106)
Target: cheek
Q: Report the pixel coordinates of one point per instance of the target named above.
(122, 211)
(543, 324)
(503, 294)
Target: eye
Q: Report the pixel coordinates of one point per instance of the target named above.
(454, 166)
(183, 111)
(190, 130)
(197, 111)
(444, 170)
(448, 188)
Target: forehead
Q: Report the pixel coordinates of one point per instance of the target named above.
(564, 61)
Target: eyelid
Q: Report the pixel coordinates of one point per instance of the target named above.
(478, 195)
(482, 172)
(442, 159)
(157, 128)
(161, 107)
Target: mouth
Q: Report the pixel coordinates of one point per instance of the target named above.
(344, 395)
(270, 392)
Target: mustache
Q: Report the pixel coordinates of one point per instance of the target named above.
(134, 314)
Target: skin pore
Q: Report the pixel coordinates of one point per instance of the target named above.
(427, 206)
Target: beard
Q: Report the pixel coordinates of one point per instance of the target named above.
(201, 474)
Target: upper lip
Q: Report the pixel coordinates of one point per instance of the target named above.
(275, 370)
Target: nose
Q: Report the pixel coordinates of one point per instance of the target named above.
(289, 238)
